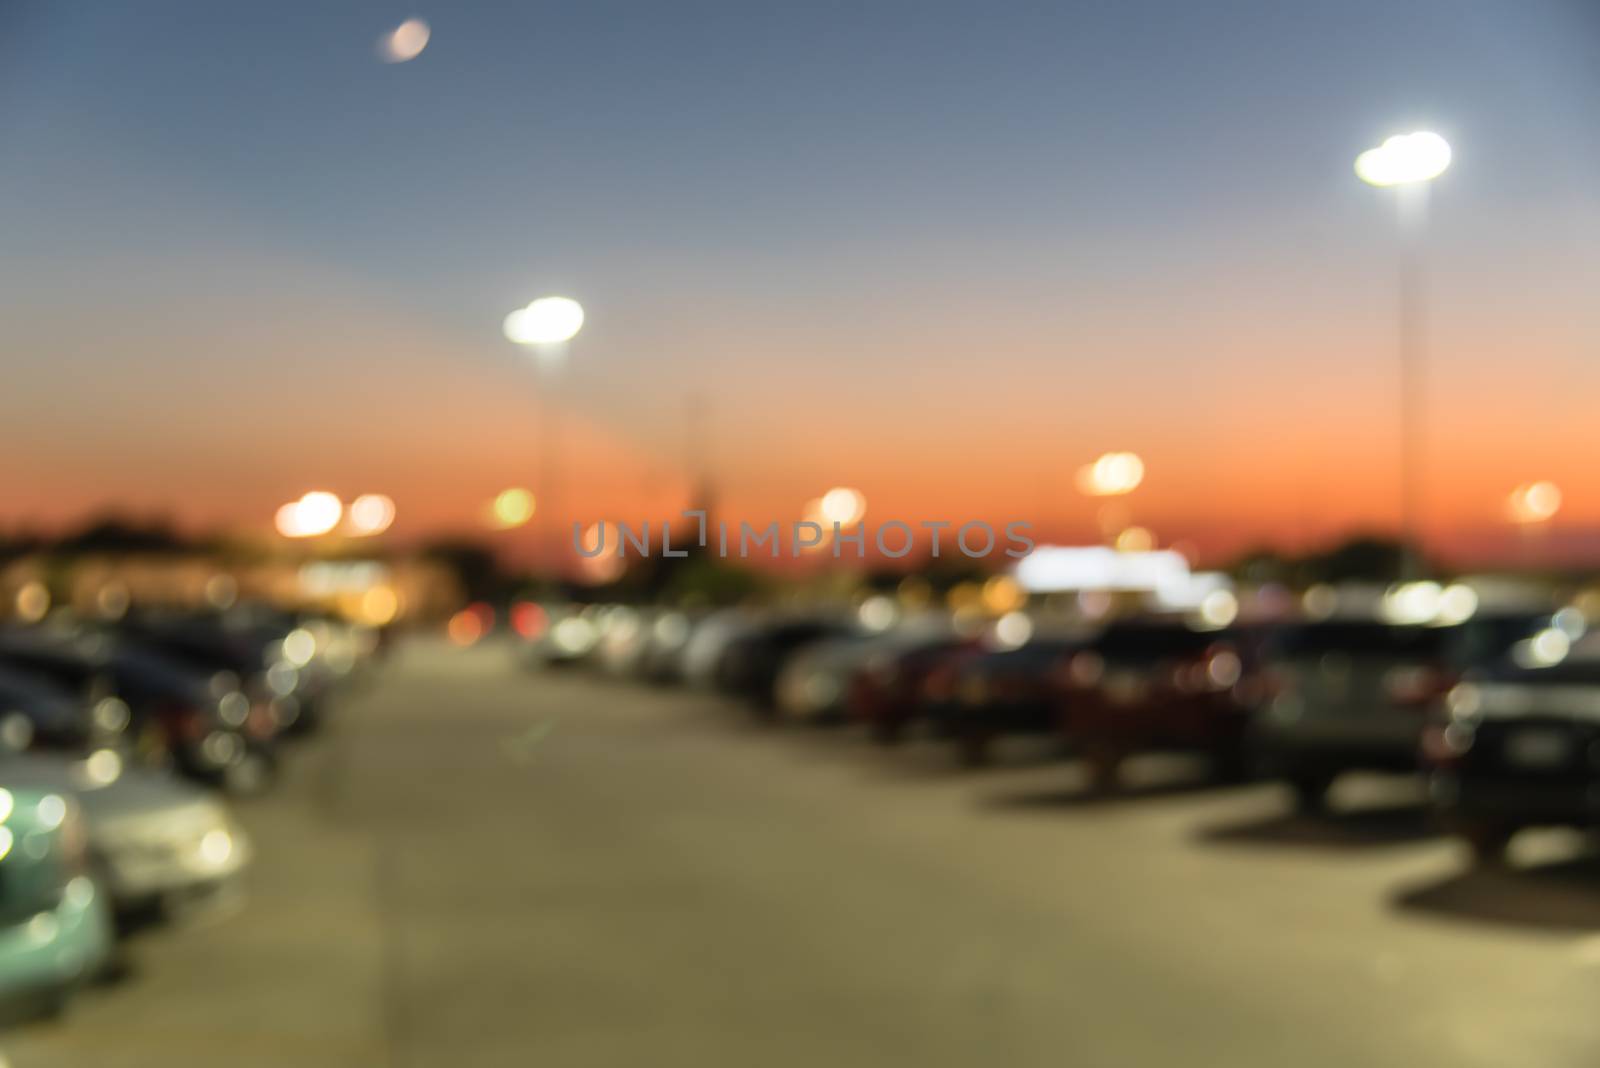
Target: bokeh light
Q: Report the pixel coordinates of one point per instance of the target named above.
(465, 627)
(369, 514)
(511, 508)
(405, 42)
(1404, 159)
(1535, 502)
(317, 512)
(1113, 474)
(1136, 540)
(1013, 630)
(1002, 594)
(878, 612)
(379, 606)
(33, 602)
(529, 619)
(546, 321)
(843, 505)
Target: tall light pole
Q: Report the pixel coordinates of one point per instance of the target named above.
(544, 327)
(1408, 162)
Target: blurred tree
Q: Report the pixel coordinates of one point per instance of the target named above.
(115, 534)
(705, 579)
(475, 566)
(1265, 564)
(1365, 558)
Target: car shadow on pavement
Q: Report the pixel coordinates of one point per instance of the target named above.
(1357, 828)
(934, 759)
(1562, 895)
(1078, 794)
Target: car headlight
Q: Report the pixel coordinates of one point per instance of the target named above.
(216, 847)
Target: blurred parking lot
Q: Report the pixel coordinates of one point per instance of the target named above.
(476, 865)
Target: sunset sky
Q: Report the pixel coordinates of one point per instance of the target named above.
(945, 253)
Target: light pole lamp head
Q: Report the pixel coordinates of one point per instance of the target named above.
(546, 321)
(1404, 159)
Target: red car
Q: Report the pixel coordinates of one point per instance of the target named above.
(887, 692)
(1162, 686)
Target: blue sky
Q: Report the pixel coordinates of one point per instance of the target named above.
(765, 202)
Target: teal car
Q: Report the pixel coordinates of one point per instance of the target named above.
(55, 924)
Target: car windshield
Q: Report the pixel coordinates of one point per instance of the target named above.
(1157, 642)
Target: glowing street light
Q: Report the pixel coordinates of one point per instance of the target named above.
(1409, 161)
(1404, 159)
(1536, 502)
(546, 321)
(545, 325)
(369, 514)
(405, 42)
(1112, 475)
(843, 505)
(313, 514)
(512, 508)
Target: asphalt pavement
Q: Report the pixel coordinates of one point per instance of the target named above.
(482, 866)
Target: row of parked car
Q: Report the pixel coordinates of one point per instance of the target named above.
(119, 741)
(1498, 709)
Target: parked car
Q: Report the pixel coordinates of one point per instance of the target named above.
(37, 714)
(266, 663)
(701, 654)
(155, 843)
(1163, 685)
(560, 634)
(889, 691)
(1518, 744)
(55, 926)
(750, 663)
(988, 693)
(813, 684)
(662, 658)
(153, 709)
(625, 640)
(1356, 694)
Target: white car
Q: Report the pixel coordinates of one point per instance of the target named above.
(155, 842)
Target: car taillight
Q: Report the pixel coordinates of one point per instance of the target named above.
(529, 620)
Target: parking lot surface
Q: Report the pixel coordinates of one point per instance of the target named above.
(479, 865)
